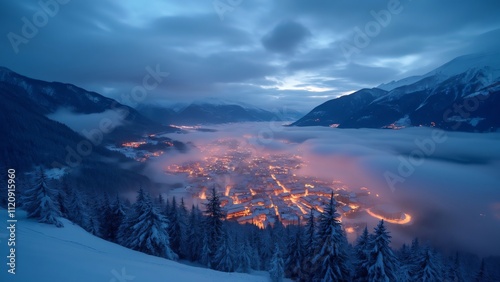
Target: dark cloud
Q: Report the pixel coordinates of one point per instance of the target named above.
(285, 37)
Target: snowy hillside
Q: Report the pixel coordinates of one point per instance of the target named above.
(47, 253)
(487, 61)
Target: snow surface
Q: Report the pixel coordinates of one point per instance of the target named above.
(456, 66)
(47, 253)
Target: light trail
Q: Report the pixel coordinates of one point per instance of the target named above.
(405, 219)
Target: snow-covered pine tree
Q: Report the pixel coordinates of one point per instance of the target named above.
(160, 202)
(224, 255)
(63, 198)
(213, 221)
(206, 253)
(428, 267)
(145, 229)
(113, 220)
(295, 254)
(382, 264)
(243, 262)
(405, 262)
(91, 223)
(277, 271)
(310, 246)
(105, 214)
(361, 256)
(454, 270)
(331, 262)
(193, 245)
(183, 214)
(255, 245)
(40, 201)
(174, 227)
(77, 212)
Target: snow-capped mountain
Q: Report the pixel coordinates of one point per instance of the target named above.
(460, 95)
(490, 61)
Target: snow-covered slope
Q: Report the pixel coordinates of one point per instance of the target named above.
(47, 253)
(488, 61)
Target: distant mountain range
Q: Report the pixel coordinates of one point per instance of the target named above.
(463, 95)
(212, 112)
(30, 138)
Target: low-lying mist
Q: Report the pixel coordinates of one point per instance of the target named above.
(448, 181)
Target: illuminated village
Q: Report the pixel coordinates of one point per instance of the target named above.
(260, 188)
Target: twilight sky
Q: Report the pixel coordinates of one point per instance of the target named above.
(267, 53)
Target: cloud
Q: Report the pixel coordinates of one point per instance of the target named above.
(86, 122)
(106, 46)
(285, 37)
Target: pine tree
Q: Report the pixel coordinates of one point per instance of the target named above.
(295, 255)
(276, 270)
(331, 262)
(382, 264)
(91, 223)
(427, 267)
(145, 229)
(193, 245)
(405, 261)
(361, 256)
(244, 257)
(213, 220)
(481, 275)
(205, 255)
(174, 228)
(39, 201)
(224, 257)
(454, 272)
(310, 247)
(113, 220)
(76, 209)
(62, 198)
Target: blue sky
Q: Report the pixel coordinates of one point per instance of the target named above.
(267, 53)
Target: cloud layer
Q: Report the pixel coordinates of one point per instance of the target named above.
(262, 52)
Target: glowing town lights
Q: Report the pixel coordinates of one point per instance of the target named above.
(376, 195)
(253, 192)
(405, 218)
(307, 185)
(203, 195)
(133, 144)
(279, 184)
(349, 230)
(228, 189)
